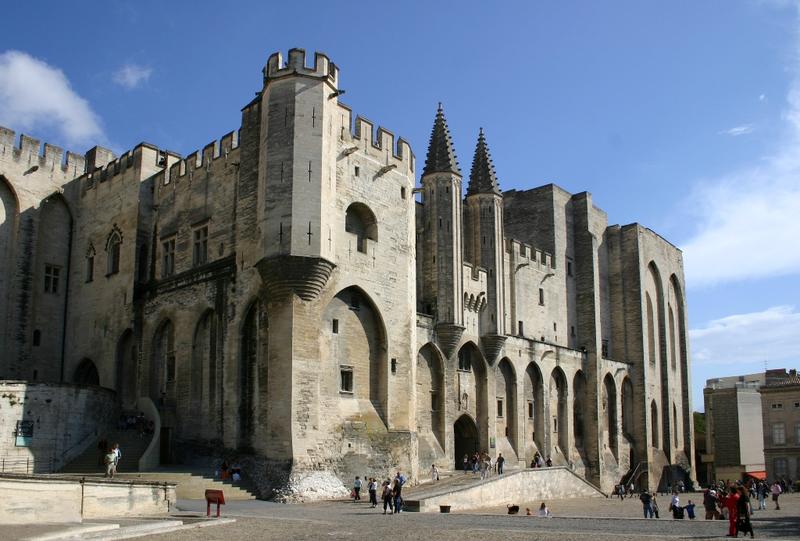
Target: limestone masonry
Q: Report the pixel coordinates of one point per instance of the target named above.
(293, 296)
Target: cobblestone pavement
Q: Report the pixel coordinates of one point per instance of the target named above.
(598, 518)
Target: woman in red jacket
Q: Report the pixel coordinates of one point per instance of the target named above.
(731, 500)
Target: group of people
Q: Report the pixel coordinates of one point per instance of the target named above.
(391, 492)
(539, 462)
(226, 471)
(110, 455)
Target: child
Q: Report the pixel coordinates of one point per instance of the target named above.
(690, 510)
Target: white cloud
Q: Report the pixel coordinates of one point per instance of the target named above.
(772, 335)
(132, 75)
(35, 96)
(736, 131)
(762, 97)
(747, 220)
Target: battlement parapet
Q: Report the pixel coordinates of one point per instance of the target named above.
(529, 254)
(203, 159)
(380, 143)
(296, 65)
(29, 151)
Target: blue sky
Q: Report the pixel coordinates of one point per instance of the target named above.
(683, 116)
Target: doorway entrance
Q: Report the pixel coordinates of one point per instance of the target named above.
(467, 441)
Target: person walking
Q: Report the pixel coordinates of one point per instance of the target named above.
(710, 504)
(465, 463)
(399, 481)
(731, 503)
(110, 461)
(387, 497)
(500, 462)
(434, 473)
(117, 456)
(744, 510)
(776, 493)
(357, 489)
(762, 490)
(372, 487)
(647, 507)
(654, 504)
(675, 505)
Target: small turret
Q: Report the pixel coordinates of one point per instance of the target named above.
(441, 156)
(482, 178)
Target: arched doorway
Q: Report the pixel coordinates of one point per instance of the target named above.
(467, 441)
(506, 395)
(86, 373)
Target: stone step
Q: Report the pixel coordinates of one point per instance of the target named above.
(192, 485)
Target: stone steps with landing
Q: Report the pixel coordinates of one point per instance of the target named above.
(132, 445)
(192, 483)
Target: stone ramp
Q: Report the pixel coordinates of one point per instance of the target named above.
(466, 491)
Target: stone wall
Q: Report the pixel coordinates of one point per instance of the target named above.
(65, 419)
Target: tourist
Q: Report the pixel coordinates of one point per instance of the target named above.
(399, 481)
(654, 504)
(544, 511)
(690, 510)
(224, 470)
(485, 464)
(731, 503)
(110, 461)
(357, 489)
(675, 505)
(762, 491)
(710, 504)
(631, 490)
(387, 497)
(744, 510)
(549, 462)
(776, 493)
(465, 463)
(372, 487)
(620, 490)
(434, 473)
(117, 456)
(500, 462)
(647, 507)
(236, 473)
(528, 511)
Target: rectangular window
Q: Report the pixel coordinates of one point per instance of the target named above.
(52, 275)
(572, 330)
(499, 408)
(541, 296)
(530, 409)
(778, 434)
(555, 327)
(168, 258)
(569, 268)
(335, 326)
(170, 366)
(781, 467)
(346, 379)
(555, 424)
(90, 268)
(521, 328)
(394, 366)
(402, 192)
(777, 406)
(434, 401)
(200, 253)
(356, 171)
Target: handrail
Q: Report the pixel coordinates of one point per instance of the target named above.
(151, 457)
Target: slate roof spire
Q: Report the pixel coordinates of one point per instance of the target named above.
(482, 178)
(441, 156)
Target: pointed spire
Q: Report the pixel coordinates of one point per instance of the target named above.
(482, 178)
(441, 156)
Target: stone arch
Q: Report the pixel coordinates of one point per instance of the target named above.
(610, 427)
(253, 370)
(627, 409)
(655, 435)
(431, 394)
(534, 407)
(559, 407)
(466, 439)
(125, 361)
(579, 409)
(358, 349)
(361, 221)
(472, 388)
(680, 324)
(50, 283)
(162, 367)
(652, 351)
(86, 373)
(9, 218)
(506, 389)
(203, 367)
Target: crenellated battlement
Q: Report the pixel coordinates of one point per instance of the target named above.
(29, 151)
(528, 254)
(379, 143)
(296, 65)
(205, 158)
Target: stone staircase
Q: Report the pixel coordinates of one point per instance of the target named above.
(192, 484)
(130, 442)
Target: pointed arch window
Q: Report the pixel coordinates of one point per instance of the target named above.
(113, 248)
(89, 266)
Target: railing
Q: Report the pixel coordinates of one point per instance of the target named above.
(27, 465)
(634, 475)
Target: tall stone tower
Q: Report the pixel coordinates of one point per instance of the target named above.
(297, 171)
(484, 245)
(444, 261)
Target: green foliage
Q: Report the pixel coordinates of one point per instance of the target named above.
(699, 422)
